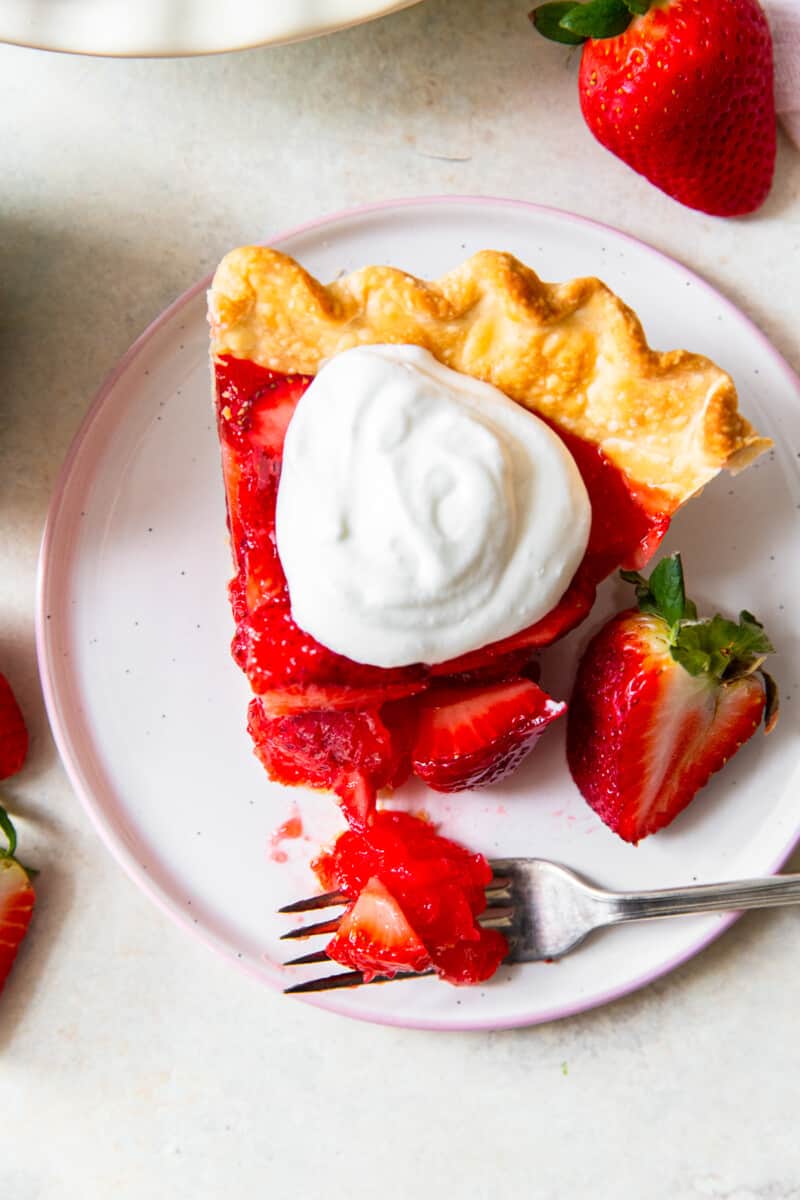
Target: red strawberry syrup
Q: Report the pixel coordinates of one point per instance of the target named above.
(291, 828)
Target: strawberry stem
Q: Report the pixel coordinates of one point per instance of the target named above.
(664, 593)
(573, 23)
(9, 853)
(8, 829)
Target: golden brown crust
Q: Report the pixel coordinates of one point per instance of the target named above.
(572, 352)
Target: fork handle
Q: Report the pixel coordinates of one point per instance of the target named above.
(705, 897)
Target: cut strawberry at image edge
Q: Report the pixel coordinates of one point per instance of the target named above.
(17, 899)
(13, 732)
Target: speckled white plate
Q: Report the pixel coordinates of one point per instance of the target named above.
(148, 708)
(161, 28)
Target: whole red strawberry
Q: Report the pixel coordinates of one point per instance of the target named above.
(680, 90)
(661, 701)
(13, 734)
(16, 899)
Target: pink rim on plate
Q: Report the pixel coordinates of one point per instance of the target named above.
(71, 758)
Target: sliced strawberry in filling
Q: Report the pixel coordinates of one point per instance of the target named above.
(494, 668)
(281, 661)
(573, 607)
(436, 884)
(472, 736)
(375, 937)
(254, 407)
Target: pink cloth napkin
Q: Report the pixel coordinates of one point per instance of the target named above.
(784, 20)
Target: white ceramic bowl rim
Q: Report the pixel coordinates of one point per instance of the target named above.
(162, 29)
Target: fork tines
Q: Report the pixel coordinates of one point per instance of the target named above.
(326, 900)
(316, 956)
(310, 930)
(348, 979)
(498, 913)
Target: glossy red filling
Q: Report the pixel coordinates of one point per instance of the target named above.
(423, 911)
(319, 718)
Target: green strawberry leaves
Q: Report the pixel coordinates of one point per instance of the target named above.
(571, 23)
(547, 21)
(721, 648)
(8, 829)
(717, 647)
(9, 852)
(598, 18)
(663, 594)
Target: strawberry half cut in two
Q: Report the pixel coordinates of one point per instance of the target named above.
(320, 719)
(662, 700)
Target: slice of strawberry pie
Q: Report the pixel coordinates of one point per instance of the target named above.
(425, 484)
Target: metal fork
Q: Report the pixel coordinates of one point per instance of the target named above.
(546, 910)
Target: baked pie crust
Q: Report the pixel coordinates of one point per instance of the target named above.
(572, 352)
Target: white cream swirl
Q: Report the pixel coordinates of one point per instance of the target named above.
(421, 513)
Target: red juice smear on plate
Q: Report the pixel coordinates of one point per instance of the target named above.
(291, 828)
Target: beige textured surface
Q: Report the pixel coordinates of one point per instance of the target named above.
(134, 1063)
(572, 352)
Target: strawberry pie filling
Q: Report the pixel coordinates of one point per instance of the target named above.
(414, 902)
(324, 720)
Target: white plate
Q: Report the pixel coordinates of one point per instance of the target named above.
(177, 27)
(149, 710)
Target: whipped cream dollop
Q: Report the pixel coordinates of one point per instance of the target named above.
(421, 513)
